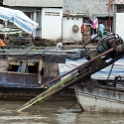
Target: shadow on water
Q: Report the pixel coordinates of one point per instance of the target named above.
(54, 112)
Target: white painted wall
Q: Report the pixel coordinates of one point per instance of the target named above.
(51, 23)
(120, 24)
(68, 35)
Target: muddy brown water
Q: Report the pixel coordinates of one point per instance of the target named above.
(54, 112)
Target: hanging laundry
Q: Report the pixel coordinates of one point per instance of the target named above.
(82, 28)
(2, 44)
(94, 26)
(94, 22)
(109, 22)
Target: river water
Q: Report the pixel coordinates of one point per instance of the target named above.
(54, 112)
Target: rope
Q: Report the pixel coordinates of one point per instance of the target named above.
(110, 71)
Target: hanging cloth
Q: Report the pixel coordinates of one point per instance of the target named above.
(82, 28)
(94, 23)
(109, 22)
(2, 44)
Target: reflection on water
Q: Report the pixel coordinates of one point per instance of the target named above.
(54, 112)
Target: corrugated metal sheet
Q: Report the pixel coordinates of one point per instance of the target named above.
(86, 7)
(34, 3)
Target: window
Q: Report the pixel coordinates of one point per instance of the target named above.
(29, 67)
(52, 13)
(38, 18)
(120, 9)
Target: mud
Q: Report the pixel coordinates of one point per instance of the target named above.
(54, 112)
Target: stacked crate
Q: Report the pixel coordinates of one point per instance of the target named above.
(86, 34)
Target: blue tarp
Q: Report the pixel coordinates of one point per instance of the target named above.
(19, 19)
(117, 70)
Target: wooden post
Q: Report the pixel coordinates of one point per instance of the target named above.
(23, 66)
(39, 70)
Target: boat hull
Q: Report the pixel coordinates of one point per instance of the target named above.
(25, 85)
(100, 99)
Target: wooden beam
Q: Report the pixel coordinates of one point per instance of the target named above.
(17, 64)
(39, 70)
(23, 66)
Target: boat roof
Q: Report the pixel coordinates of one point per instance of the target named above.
(49, 54)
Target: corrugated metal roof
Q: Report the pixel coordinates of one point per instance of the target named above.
(86, 7)
(34, 3)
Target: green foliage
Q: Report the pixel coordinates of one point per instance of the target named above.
(50, 43)
(11, 40)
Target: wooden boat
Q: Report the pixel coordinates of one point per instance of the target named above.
(102, 98)
(23, 71)
(104, 90)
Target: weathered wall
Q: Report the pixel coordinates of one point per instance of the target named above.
(3, 65)
(50, 70)
(69, 36)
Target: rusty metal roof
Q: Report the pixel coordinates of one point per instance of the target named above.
(34, 3)
(86, 7)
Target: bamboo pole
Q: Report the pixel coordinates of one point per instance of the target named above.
(46, 94)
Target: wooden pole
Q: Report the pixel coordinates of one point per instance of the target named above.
(39, 70)
(23, 66)
(109, 5)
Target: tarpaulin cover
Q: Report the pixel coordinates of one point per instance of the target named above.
(117, 70)
(19, 19)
